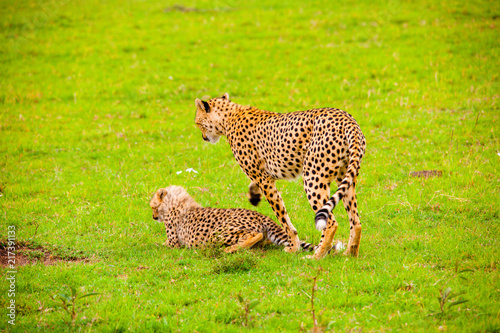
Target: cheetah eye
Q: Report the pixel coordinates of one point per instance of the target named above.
(202, 126)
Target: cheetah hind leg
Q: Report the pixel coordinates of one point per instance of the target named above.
(247, 241)
(355, 225)
(326, 243)
(253, 194)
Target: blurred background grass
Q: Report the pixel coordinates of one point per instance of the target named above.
(97, 110)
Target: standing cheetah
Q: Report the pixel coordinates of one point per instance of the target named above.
(323, 145)
(188, 224)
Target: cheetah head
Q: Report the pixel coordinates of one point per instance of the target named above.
(168, 198)
(209, 117)
(156, 202)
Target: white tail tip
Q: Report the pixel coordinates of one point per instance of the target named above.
(321, 224)
(339, 246)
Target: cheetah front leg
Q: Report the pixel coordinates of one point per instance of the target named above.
(172, 242)
(170, 221)
(268, 187)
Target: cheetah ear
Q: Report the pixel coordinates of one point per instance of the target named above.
(161, 193)
(202, 105)
(225, 96)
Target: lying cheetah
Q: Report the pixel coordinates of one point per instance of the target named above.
(189, 224)
(323, 145)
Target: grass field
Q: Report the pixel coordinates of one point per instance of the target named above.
(97, 112)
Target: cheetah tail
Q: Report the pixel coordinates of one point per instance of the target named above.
(277, 235)
(356, 151)
(307, 246)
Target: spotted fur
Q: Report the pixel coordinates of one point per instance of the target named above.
(324, 145)
(190, 225)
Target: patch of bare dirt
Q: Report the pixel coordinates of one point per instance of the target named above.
(427, 173)
(27, 256)
(184, 9)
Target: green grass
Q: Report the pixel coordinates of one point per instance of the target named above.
(97, 112)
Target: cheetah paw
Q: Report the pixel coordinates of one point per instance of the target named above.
(291, 249)
(309, 257)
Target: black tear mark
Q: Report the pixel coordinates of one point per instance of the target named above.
(206, 106)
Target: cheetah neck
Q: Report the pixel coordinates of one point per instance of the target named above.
(222, 117)
(235, 113)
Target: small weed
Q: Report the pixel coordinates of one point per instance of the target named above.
(36, 230)
(447, 298)
(320, 323)
(68, 303)
(316, 327)
(247, 306)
